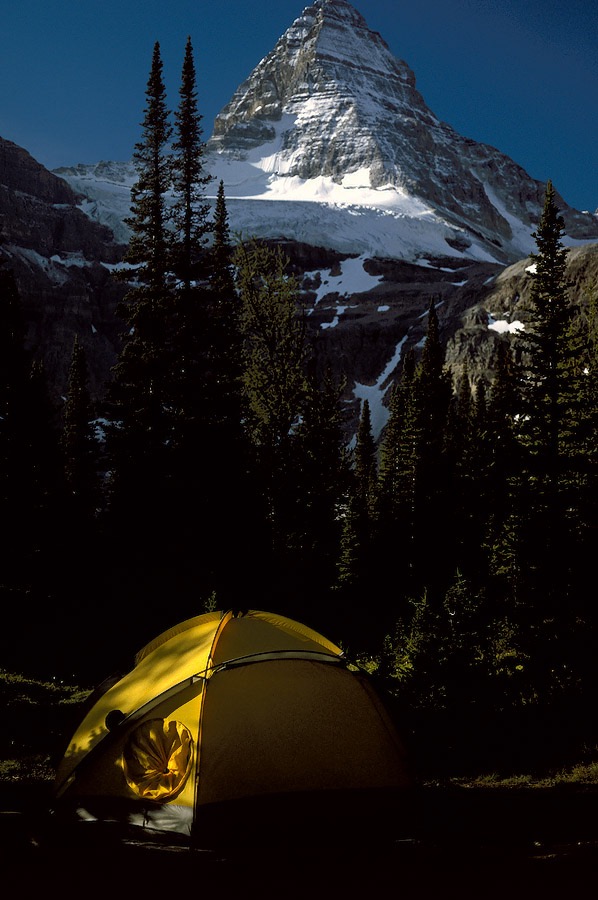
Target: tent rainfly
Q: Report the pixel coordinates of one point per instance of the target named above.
(235, 725)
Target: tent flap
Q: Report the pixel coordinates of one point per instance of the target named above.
(157, 759)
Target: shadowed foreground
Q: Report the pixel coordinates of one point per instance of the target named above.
(466, 843)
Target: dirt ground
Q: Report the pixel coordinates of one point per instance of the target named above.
(463, 843)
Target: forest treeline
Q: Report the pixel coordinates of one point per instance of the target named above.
(454, 557)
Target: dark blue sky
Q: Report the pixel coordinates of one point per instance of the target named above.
(521, 75)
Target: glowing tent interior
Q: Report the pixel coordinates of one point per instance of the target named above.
(234, 726)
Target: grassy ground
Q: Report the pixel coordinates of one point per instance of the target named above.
(39, 718)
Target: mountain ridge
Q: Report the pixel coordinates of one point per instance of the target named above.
(369, 255)
(330, 101)
(61, 260)
(332, 122)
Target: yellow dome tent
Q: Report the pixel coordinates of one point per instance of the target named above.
(231, 726)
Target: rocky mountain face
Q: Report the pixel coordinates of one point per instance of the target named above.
(500, 307)
(329, 150)
(62, 262)
(331, 100)
(364, 335)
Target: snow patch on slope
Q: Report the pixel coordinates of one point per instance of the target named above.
(353, 279)
(374, 393)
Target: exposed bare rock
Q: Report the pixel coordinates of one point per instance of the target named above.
(61, 261)
(329, 150)
(500, 309)
(331, 99)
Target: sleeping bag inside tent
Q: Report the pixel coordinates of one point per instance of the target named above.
(235, 727)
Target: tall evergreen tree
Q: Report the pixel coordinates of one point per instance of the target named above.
(429, 473)
(275, 346)
(222, 278)
(79, 445)
(30, 480)
(149, 246)
(274, 384)
(190, 214)
(356, 568)
(225, 352)
(321, 468)
(138, 395)
(175, 442)
(583, 481)
(546, 420)
(390, 446)
(81, 461)
(224, 348)
(395, 499)
(465, 473)
(366, 461)
(545, 340)
(15, 475)
(30, 496)
(209, 446)
(503, 489)
(414, 497)
(138, 405)
(14, 368)
(45, 476)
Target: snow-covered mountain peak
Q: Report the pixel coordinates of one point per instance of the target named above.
(336, 81)
(331, 123)
(332, 116)
(336, 29)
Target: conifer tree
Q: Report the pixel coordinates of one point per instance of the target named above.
(29, 471)
(14, 473)
(321, 469)
(582, 337)
(582, 484)
(414, 496)
(545, 424)
(356, 563)
(80, 535)
(224, 354)
(222, 279)
(14, 366)
(366, 461)
(395, 497)
(353, 573)
(149, 246)
(79, 446)
(175, 442)
(44, 472)
(209, 446)
(503, 489)
(30, 495)
(139, 392)
(465, 475)
(461, 421)
(275, 346)
(274, 384)
(138, 403)
(545, 340)
(197, 364)
(391, 438)
(429, 473)
(190, 213)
